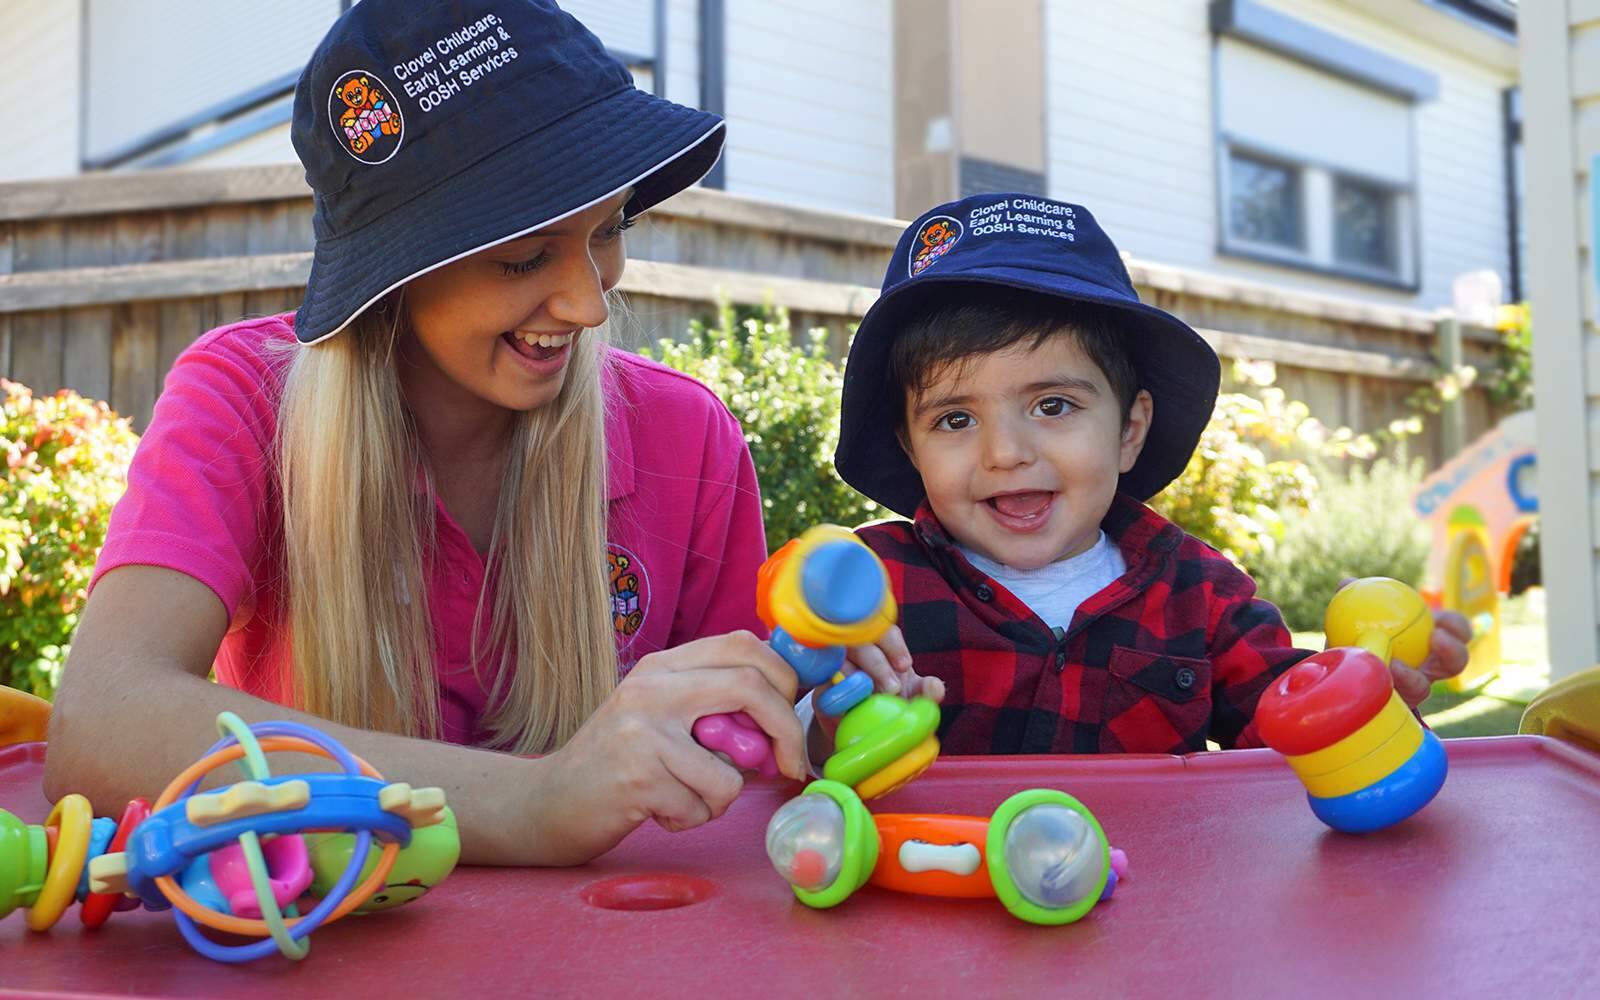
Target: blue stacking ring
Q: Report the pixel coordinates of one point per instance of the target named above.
(845, 695)
(1392, 798)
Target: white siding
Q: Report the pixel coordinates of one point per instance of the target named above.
(809, 102)
(151, 68)
(39, 89)
(1128, 106)
(1130, 117)
(269, 146)
(625, 26)
(683, 52)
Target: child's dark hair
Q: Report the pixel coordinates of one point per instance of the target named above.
(952, 325)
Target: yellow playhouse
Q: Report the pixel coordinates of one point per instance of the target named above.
(1479, 505)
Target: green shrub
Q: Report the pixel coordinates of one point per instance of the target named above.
(787, 397)
(1244, 474)
(66, 462)
(1359, 524)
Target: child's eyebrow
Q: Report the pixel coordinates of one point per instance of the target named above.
(1066, 382)
(1062, 382)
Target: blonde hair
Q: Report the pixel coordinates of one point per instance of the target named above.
(358, 516)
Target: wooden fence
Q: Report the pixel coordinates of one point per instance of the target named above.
(105, 279)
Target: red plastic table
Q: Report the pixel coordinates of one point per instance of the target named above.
(1493, 890)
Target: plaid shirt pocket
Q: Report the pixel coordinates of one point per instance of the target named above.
(1155, 703)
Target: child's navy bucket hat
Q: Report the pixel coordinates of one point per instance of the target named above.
(430, 131)
(1039, 246)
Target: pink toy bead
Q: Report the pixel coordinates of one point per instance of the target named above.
(288, 868)
(737, 737)
(1119, 862)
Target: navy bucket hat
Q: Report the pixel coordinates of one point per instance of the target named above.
(430, 131)
(1037, 246)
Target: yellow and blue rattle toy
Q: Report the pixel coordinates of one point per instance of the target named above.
(238, 859)
(819, 594)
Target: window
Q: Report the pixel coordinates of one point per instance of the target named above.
(1315, 171)
(1263, 202)
(1363, 224)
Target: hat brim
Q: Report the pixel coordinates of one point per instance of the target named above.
(629, 139)
(1177, 367)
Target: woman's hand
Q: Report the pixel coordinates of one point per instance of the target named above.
(636, 758)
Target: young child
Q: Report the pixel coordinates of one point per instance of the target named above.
(1012, 396)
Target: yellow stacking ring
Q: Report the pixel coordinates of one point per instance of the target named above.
(72, 816)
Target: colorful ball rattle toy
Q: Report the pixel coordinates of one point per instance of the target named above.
(237, 858)
(1365, 760)
(820, 593)
(1042, 853)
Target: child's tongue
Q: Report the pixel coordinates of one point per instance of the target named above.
(1021, 504)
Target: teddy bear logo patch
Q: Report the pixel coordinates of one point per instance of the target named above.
(630, 592)
(933, 241)
(363, 116)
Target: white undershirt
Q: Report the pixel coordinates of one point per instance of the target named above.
(1054, 591)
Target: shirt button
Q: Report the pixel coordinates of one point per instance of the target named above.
(1184, 678)
(985, 593)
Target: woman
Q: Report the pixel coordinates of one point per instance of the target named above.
(435, 510)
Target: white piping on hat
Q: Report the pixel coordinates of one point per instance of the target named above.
(518, 235)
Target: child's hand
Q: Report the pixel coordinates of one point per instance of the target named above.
(888, 663)
(1447, 657)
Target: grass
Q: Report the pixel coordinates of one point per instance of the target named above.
(1494, 709)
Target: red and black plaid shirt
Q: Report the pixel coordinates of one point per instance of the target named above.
(1175, 652)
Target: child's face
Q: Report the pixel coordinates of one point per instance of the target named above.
(1020, 450)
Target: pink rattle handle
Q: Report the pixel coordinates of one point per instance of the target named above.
(736, 737)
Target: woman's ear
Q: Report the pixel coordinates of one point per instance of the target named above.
(1135, 429)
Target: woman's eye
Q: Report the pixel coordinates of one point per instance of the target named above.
(1053, 406)
(953, 422)
(607, 235)
(526, 266)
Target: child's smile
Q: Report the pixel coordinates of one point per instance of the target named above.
(1020, 450)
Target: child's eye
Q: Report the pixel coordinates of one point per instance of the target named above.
(956, 421)
(1053, 406)
(526, 266)
(607, 235)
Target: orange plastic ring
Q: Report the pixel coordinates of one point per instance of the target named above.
(73, 815)
(258, 928)
(97, 906)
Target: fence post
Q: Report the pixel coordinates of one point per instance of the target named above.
(1453, 416)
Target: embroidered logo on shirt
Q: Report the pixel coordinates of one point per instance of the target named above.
(368, 124)
(933, 241)
(630, 592)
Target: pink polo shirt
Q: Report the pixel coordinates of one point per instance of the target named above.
(684, 536)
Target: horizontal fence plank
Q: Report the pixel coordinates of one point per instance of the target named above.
(709, 284)
(173, 279)
(1319, 357)
(150, 190)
